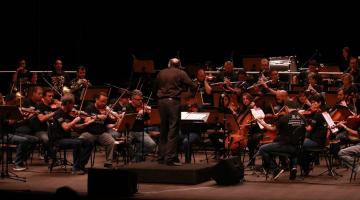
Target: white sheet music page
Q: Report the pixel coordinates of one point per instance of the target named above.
(330, 122)
(198, 116)
(258, 113)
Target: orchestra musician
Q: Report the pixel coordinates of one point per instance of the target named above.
(347, 154)
(190, 133)
(25, 143)
(137, 132)
(97, 131)
(290, 129)
(227, 76)
(350, 90)
(64, 124)
(204, 87)
(78, 84)
(353, 69)
(316, 132)
(273, 84)
(22, 76)
(58, 77)
(122, 103)
(312, 88)
(301, 79)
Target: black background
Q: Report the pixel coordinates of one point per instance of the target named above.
(104, 35)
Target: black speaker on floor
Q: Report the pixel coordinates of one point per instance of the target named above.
(111, 183)
(228, 171)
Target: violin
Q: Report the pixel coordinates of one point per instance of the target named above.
(56, 104)
(78, 113)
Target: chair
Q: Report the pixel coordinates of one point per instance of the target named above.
(58, 154)
(353, 172)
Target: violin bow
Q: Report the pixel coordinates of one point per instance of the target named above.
(82, 100)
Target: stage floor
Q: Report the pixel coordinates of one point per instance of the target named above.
(40, 180)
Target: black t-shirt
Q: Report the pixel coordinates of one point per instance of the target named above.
(207, 98)
(319, 131)
(139, 122)
(58, 132)
(36, 124)
(98, 127)
(291, 128)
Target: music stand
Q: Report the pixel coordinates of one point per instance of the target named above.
(8, 112)
(191, 119)
(143, 66)
(126, 124)
(94, 90)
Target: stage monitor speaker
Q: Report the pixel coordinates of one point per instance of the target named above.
(228, 171)
(111, 183)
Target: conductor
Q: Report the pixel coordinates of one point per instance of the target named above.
(169, 84)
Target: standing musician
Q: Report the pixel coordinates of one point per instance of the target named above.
(137, 132)
(78, 84)
(316, 131)
(204, 87)
(291, 129)
(64, 124)
(97, 131)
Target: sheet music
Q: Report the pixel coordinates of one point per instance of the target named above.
(199, 116)
(330, 122)
(258, 114)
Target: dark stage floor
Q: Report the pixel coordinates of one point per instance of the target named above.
(40, 180)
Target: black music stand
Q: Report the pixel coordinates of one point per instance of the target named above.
(191, 118)
(8, 112)
(126, 124)
(94, 90)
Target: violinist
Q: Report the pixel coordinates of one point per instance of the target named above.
(98, 130)
(316, 132)
(78, 84)
(39, 124)
(64, 125)
(25, 143)
(30, 111)
(137, 132)
(204, 87)
(291, 129)
(122, 104)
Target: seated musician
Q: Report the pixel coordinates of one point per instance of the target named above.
(137, 132)
(316, 132)
(47, 110)
(97, 131)
(301, 79)
(302, 101)
(64, 124)
(353, 69)
(347, 154)
(350, 91)
(312, 87)
(243, 84)
(24, 143)
(122, 104)
(78, 84)
(190, 133)
(227, 76)
(273, 85)
(291, 129)
(204, 87)
(58, 77)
